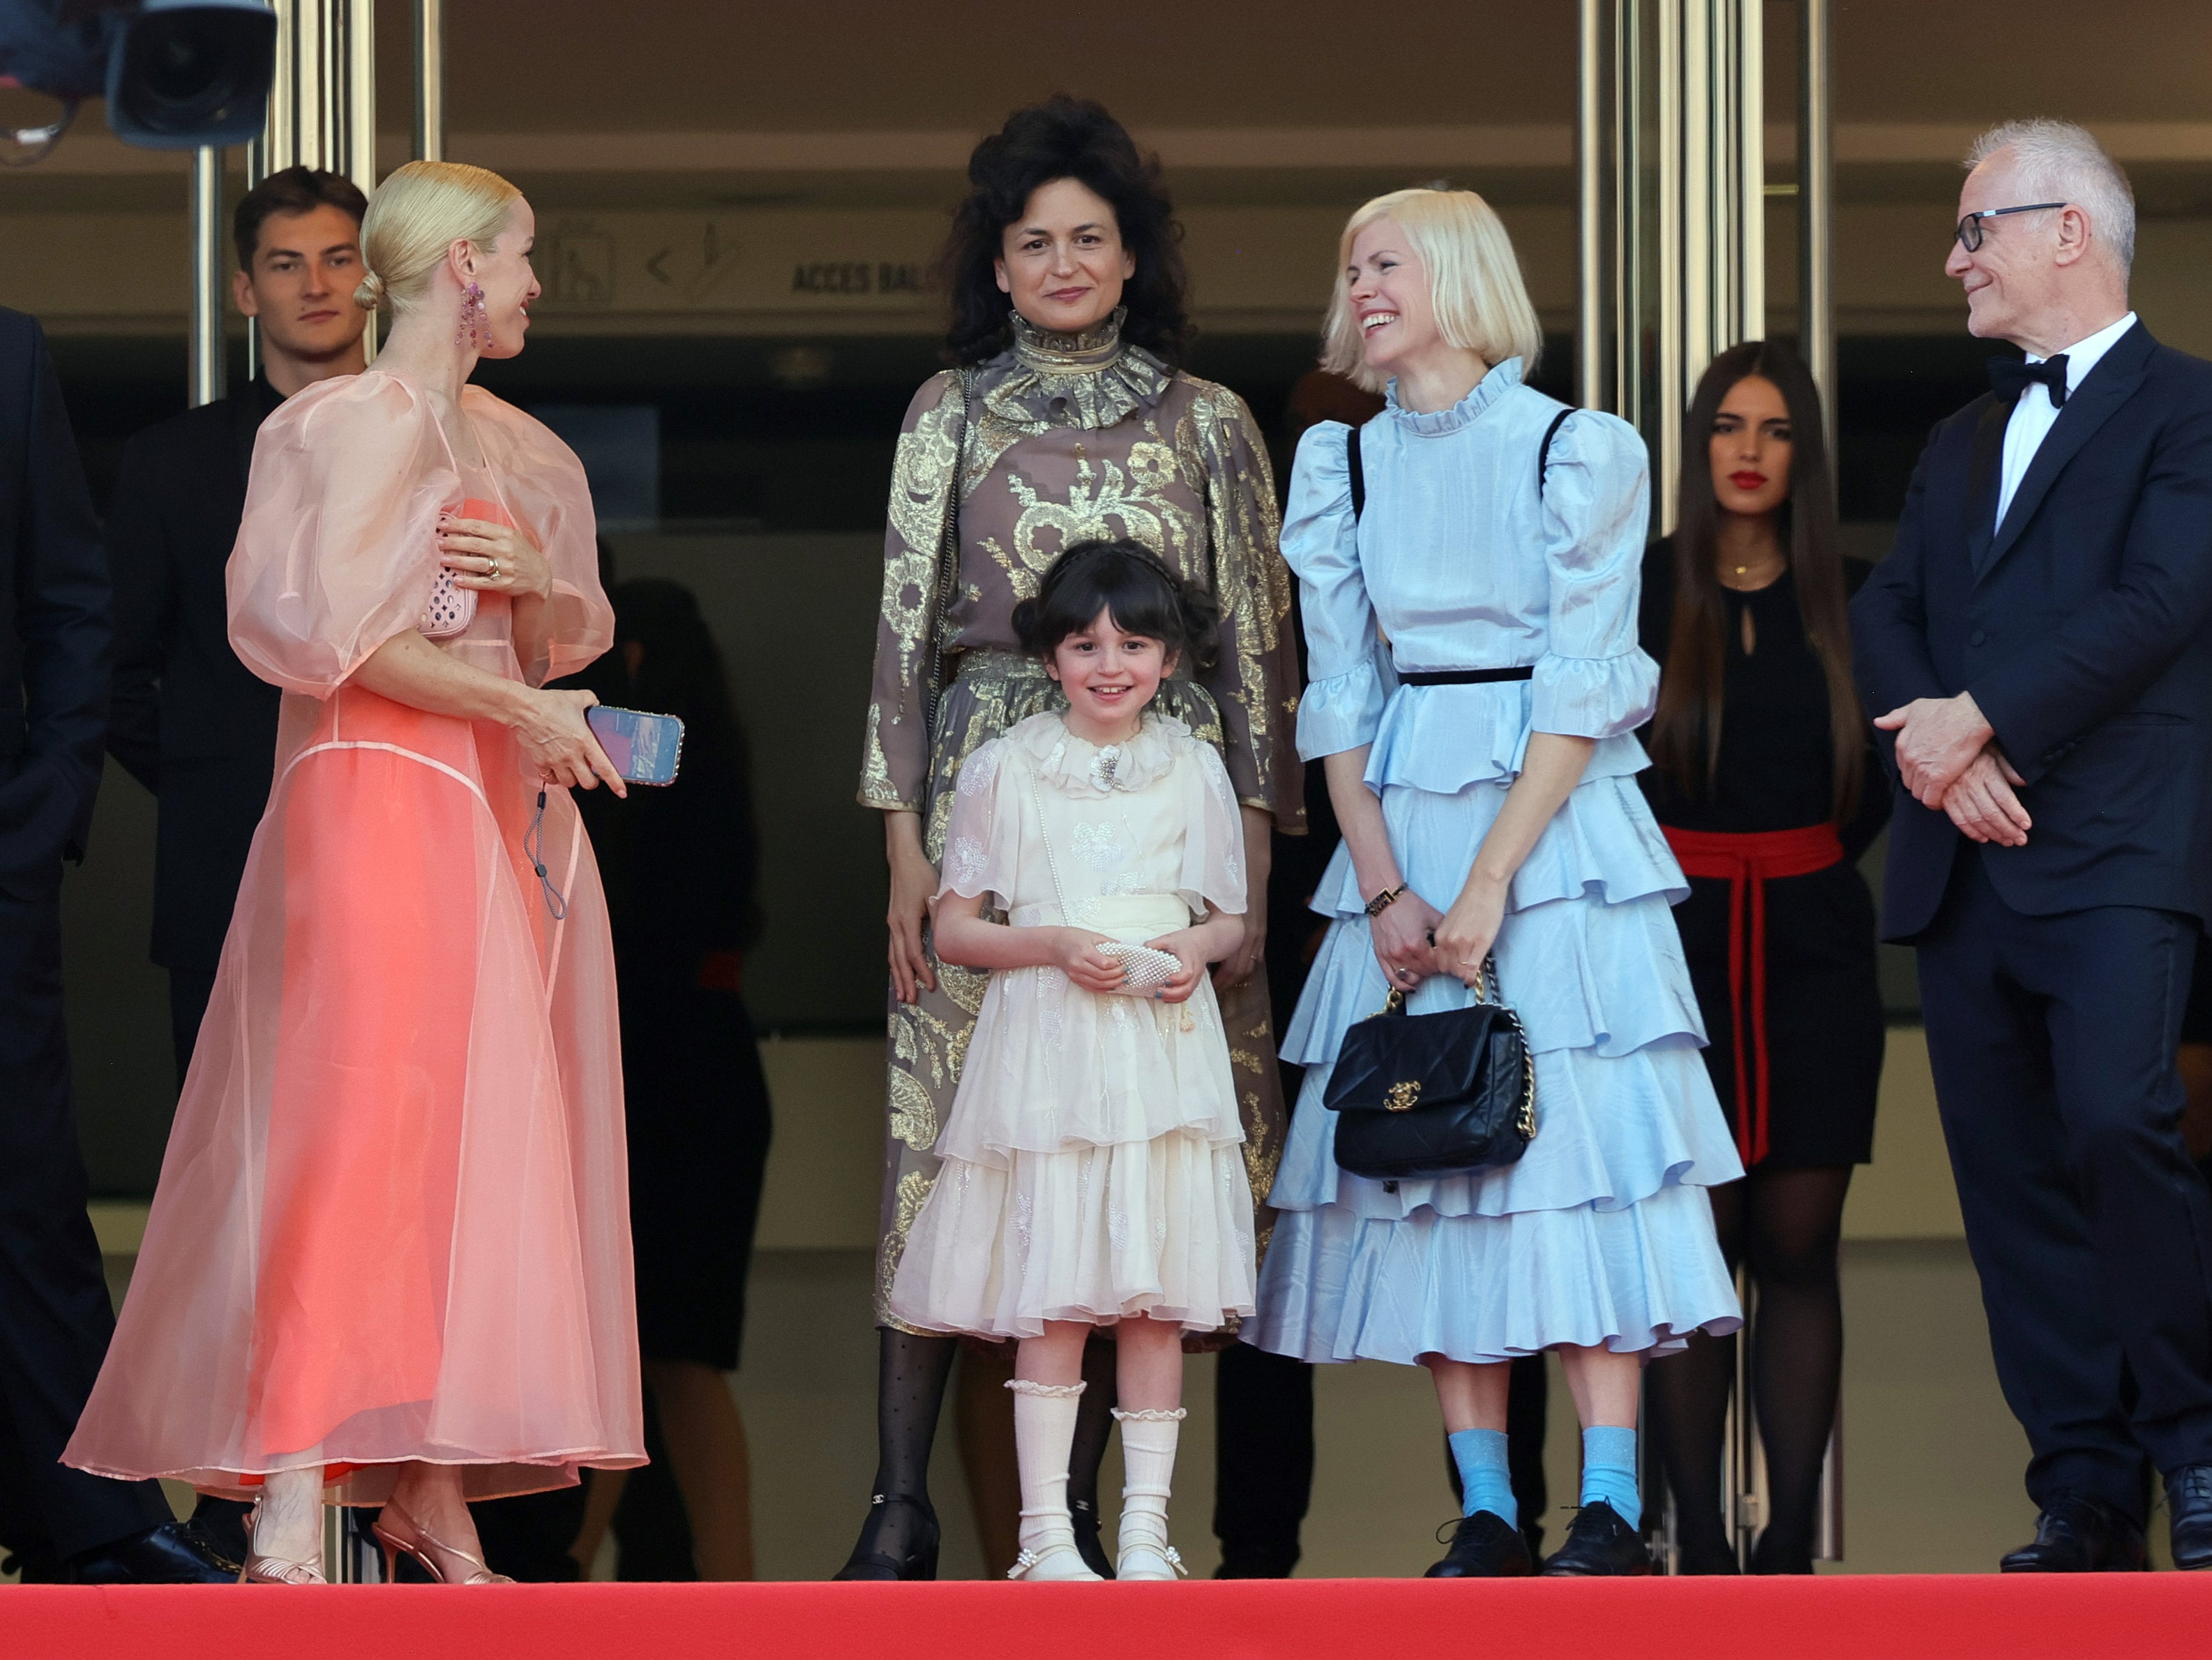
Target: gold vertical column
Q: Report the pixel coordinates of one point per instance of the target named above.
(1591, 382)
(204, 365)
(355, 73)
(429, 80)
(322, 102)
(1711, 235)
(1816, 208)
(1670, 233)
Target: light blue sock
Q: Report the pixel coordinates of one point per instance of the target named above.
(1480, 1455)
(1609, 1472)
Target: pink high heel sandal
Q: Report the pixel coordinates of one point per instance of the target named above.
(273, 1570)
(398, 1531)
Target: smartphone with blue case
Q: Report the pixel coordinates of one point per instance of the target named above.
(646, 749)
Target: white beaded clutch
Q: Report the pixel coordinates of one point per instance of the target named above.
(1148, 969)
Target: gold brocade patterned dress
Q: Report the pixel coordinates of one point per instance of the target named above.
(1061, 438)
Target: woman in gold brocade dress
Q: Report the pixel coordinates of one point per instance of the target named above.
(1065, 420)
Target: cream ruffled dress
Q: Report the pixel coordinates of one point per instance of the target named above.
(1091, 1161)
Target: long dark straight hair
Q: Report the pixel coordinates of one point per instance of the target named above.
(1685, 733)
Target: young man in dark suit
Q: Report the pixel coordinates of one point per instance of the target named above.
(2038, 645)
(189, 722)
(55, 1322)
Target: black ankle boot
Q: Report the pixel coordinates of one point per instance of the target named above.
(910, 1550)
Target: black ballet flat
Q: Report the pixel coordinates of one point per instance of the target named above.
(1083, 1516)
(1484, 1546)
(1599, 1545)
(868, 1563)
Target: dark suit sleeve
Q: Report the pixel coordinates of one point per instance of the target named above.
(2102, 659)
(62, 612)
(138, 562)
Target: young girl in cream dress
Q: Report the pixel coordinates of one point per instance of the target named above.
(1092, 1171)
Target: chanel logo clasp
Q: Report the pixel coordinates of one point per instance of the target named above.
(1398, 1096)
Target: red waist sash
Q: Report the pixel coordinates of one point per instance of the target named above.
(1746, 862)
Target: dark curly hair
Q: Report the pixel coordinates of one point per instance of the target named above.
(1064, 137)
(1129, 581)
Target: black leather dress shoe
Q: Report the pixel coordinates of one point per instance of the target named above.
(2188, 1509)
(2077, 1534)
(1484, 1547)
(1599, 1545)
(171, 1554)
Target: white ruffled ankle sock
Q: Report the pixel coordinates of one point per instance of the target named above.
(1044, 1429)
(1148, 1456)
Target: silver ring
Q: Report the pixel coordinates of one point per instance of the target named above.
(494, 570)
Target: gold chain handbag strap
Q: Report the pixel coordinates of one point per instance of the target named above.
(948, 554)
(1486, 983)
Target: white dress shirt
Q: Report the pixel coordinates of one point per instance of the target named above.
(2033, 416)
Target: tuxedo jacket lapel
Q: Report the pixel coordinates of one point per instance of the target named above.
(2092, 404)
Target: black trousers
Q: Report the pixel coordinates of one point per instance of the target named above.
(55, 1318)
(2052, 1040)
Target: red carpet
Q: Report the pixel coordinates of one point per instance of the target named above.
(1891, 1617)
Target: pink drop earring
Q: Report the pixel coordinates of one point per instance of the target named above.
(474, 328)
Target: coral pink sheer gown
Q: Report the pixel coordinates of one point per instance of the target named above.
(393, 1222)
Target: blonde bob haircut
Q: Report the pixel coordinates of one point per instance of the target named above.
(1474, 281)
(414, 216)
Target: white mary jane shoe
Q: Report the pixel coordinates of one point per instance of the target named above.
(1057, 1562)
(1144, 1561)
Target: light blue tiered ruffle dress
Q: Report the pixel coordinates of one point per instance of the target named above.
(1602, 1232)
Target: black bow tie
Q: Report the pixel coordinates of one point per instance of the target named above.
(2009, 377)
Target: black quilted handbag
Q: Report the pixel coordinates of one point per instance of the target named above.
(1424, 1095)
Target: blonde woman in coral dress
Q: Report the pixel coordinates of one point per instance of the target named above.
(391, 1243)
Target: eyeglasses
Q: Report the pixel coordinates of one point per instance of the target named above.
(1970, 227)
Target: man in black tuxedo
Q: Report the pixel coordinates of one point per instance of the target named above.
(54, 1316)
(189, 722)
(2038, 644)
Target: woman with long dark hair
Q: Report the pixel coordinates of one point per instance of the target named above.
(1763, 782)
(1064, 418)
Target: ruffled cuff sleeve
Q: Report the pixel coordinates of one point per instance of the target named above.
(1214, 838)
(1594, 680)
(1342, 706)
(982, 836)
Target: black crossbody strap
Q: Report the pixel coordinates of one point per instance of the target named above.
(1357, 470)
(1544, 455)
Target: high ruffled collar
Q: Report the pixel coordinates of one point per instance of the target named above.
(1503, 377)
(1091, 380)
(1078, 767)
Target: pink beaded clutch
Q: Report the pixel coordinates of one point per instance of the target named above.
(453, 607)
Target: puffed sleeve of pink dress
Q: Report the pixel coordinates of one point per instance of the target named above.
(393, 1222)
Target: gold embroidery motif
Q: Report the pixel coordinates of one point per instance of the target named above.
(913, 1115)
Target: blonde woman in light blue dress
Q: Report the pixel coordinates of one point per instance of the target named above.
(1500, 814)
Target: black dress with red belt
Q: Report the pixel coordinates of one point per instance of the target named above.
(1779, 926)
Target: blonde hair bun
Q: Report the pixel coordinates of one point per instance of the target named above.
(417, 215)
(370, 294)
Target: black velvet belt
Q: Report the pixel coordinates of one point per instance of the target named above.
(1468, 676)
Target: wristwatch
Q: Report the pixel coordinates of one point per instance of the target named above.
(1382, 901)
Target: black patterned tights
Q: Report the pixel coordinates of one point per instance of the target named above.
(1785, 1225)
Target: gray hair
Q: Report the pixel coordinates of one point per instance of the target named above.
(2059, 160)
